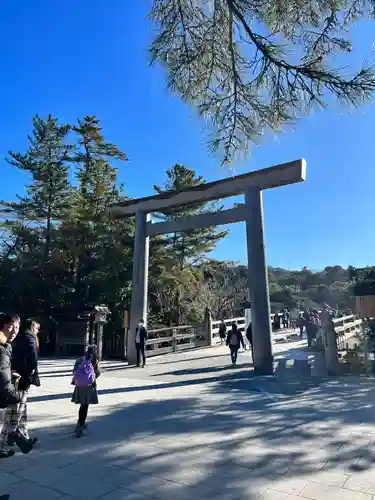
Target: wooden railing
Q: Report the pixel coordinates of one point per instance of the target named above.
(160, 341)
(240, 324)
(346, 327)
(239, 320)
(178, 338)
(114, 346)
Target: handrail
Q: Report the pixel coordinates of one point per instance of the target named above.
(348, 328)
(175, 340)
(343, 318)
(228, 320)
(170, 328)
(239, 318)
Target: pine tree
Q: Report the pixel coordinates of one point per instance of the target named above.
(46, 159)
(251, 66)
(31, 222)
(95, 250)
(185, 250)
(95, 175)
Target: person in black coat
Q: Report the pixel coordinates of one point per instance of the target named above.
(140, 342)
(8, 331)
(276, 322)
(249, 336)
(10, 396)
(222, 331)
(234, 341)
(25, 363)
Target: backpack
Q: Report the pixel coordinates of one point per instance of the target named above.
(85, 374)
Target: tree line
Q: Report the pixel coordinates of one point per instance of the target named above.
(61, 253)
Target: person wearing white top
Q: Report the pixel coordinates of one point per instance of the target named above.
(140, 342)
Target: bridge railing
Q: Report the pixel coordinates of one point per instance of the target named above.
(239, 320)
(346, 327)
(173, 339)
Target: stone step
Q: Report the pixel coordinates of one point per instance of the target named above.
(318, 365)
(309, 365)
(289, 366)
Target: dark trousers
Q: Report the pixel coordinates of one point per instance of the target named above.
(233, 353)
(251, 347)
(140, 348)
(82, 415)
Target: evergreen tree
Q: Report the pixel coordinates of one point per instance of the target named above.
(185, 250)
(94, 244)
(47, 198)
(95, 175)
(251, 66)
(30, 225)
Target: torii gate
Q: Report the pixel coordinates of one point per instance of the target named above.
(251, 185)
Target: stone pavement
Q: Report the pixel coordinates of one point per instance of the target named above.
(190, 426)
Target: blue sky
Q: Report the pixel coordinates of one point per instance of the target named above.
(89, 57)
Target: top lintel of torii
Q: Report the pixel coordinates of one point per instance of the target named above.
(267, 178)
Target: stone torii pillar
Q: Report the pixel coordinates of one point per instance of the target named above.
(258, 283)
(140, 281)
(251, 185)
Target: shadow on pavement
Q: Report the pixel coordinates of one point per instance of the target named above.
(238, 435)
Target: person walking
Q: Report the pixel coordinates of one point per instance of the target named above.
(249, 336)
(286, 318)
(10, 396)
(310, 327)
(85, 374)
(140, 342)
(25, 363)
(234, 341)
(300, 324)
(276, 322)
(222, 331)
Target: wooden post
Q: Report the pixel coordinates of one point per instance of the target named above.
(207, 326)
(125, 336)
(174, 339)
(99, 339)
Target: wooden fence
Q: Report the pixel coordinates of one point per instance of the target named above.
(240, 324)
(365, 306)
(346, 328)
(178, 338)
(181, 338)
(239, 320)
(114, 346)
(160, 341)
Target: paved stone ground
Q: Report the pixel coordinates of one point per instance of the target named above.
(190, 426)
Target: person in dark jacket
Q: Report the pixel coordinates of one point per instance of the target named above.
(140, 342)
(276, 322)
(25, 363)
(222, 331)
(9, 395)
(234, 341)
(249, 336)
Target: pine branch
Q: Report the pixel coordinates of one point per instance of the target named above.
(245, 82)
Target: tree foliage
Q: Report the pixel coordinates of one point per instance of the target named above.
(185, 249)
(224, 289)
(364, 280)
(60, 252)
(59, 248)
(251, 66)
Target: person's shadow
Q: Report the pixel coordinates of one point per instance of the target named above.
(4, 497)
